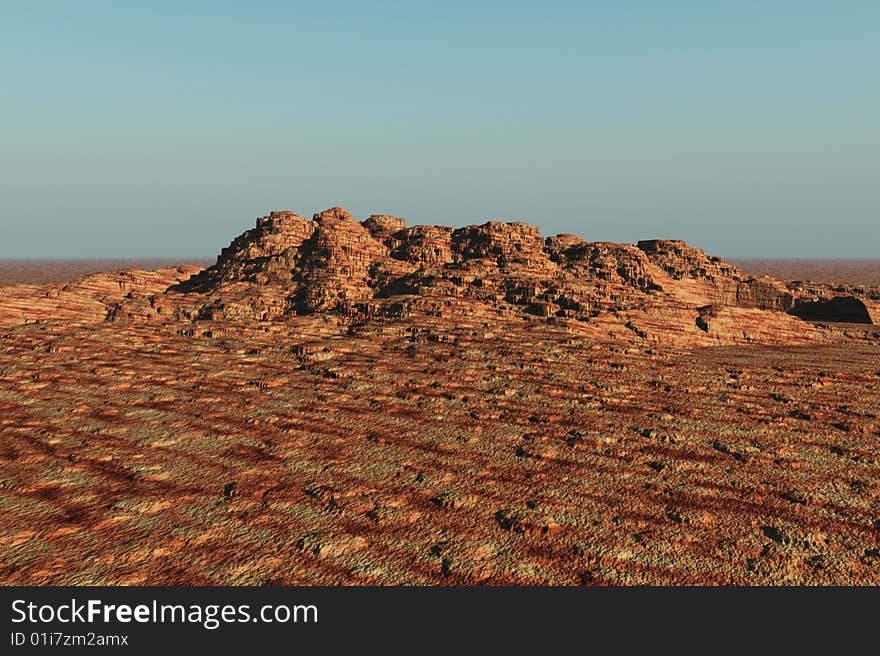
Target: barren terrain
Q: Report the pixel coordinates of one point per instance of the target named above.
(343, 402)
(831, 271)
(35, 271)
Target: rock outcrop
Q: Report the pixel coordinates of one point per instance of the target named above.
(836, 303)
(655, 290)
(333, 265)
(722, 283)
(256, 255)
(288, 265)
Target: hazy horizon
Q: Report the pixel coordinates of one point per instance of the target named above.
(197, 258)
(748, 130)
(212, 257)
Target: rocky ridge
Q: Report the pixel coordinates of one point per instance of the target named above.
(357, 271)
(379, 269)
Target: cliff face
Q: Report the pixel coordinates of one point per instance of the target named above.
(257, 255)
(334, 265)
(722, 283)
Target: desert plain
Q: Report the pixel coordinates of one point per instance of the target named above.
(338, 401)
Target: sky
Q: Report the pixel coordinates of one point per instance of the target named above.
(164, 129)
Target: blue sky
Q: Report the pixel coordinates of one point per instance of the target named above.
(745, 128)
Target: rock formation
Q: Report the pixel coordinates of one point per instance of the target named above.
(289, 266)
(656, 290)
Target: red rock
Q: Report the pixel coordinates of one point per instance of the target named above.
(505, 243)
(334, 263)
(383, 226)
(656, 291)
(425, 245)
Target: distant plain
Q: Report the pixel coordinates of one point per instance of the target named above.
(37, 272)
(844, 272)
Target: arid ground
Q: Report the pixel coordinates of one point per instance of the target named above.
(831, 271)
(31, 271)
(343, 402)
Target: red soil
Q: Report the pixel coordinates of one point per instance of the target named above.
(360, 403)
